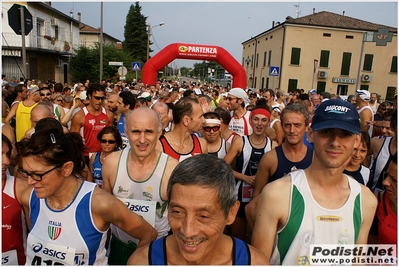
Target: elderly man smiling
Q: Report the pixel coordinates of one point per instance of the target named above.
(201, 203)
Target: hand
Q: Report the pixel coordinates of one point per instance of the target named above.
(249, 180)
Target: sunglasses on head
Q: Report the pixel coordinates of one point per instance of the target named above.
(209, 128)
(104, 141)
(47, 94)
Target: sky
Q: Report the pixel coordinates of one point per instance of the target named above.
(225, 24)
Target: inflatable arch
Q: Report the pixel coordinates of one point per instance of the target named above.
(194, 51)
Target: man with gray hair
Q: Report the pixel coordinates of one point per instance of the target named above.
(201, 203)
(139, 180)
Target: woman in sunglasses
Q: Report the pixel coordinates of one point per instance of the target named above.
(110, 141)
(68, 217)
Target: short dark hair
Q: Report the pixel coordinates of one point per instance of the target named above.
(206, 170)
(182, 108)
(224, 114)
(115, 132)
(128, 99)
(95, 87)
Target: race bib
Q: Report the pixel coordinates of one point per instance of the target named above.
(146, 209)
(9, 257)
(246, 192)
(40, 252)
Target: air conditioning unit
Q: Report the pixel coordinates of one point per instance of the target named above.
(322, 74)
(366, 77)
(58, 62)
(54, 22)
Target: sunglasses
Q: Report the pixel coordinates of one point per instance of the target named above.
(45, 94)
(231, 98)
(104, 141)
(99, 97)
(59, 100)
(384, 109)
(209, 128)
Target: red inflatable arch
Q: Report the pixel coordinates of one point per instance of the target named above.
(194, 51)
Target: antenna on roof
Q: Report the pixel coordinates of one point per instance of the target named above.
(297, 11)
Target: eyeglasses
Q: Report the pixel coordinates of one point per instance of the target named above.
(384, 109)
(34, 176)
(209, 128)
(59, 100)
(231, 98)
(99, 97)
(45, 94)
(104, 141)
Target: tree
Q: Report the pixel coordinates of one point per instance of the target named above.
(85, 64)
(135, 43)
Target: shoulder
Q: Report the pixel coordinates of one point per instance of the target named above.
(257, 257)
(278, 189)
(270, 157)
(369, 200)
(112, 159)
(139, 257)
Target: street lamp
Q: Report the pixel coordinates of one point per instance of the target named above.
(248, 60)
(148, 36)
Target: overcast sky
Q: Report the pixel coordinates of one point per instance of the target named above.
(225, 24)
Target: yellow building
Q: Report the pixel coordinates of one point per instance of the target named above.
(323, 51)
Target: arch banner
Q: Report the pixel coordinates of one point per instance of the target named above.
(195, 52)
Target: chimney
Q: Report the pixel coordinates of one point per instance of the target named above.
(71, 14)
(48, 3)
(79, 16)
(273, 24)
(314, 10)
(343, 13)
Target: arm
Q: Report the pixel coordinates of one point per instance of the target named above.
(77, 122)
(109, 171)
(67, 117)
(267, 166)
(279, 132)
(369, 206)
(11, 114)
(236, 149)
(365, 116)
(271, 133)
(139, 256)
(110, 118)
(257, 257)
(90, 173)
(274, 216)
(204, 145)
(108, 209)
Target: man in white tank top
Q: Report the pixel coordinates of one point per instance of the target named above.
(364, 110)
(318, 205)
(138, 176)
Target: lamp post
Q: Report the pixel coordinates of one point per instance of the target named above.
(248, 60)
(148, 28)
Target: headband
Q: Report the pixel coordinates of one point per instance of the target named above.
(212, 121)
(260, 111)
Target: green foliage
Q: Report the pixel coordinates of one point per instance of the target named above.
(135, 43)
(86, 63)
(201, 69)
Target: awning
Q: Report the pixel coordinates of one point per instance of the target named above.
(11, 52)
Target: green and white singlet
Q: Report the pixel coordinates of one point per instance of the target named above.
(309, 223)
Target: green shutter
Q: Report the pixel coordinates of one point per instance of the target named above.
(292, 85)
(394, 64)
(295, 56)
(368, 62)
(324, 58)
(321, 87)
(346, 63)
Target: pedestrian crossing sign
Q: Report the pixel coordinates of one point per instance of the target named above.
(136, 66)
(274, 71)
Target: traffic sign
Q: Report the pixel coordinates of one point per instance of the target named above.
(14, 19)
(122, 71)
(113, 63)
(136, 66)
(274, 71)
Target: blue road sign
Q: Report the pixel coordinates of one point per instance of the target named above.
(136, 66)
(274, 71)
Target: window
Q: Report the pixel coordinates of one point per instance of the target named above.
(364, 87)
(327, 34)
(252, 61)
(321, 87)
(257, 59)
(263, 83)
(346, 63)
(292, 85)
(324, 58)
(295, 56)
(254, 86)
(40, 32)
(264, 58)
(56, 32)
(349, 37)
(267, 82)
(394, 65)
(390, 92)
(368, 62)
(342, 89)
(270, 58)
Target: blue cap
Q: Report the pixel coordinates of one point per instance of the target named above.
(336, 113)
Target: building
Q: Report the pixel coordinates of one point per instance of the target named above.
(90, 36)
(49, 44)
(324, 51)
